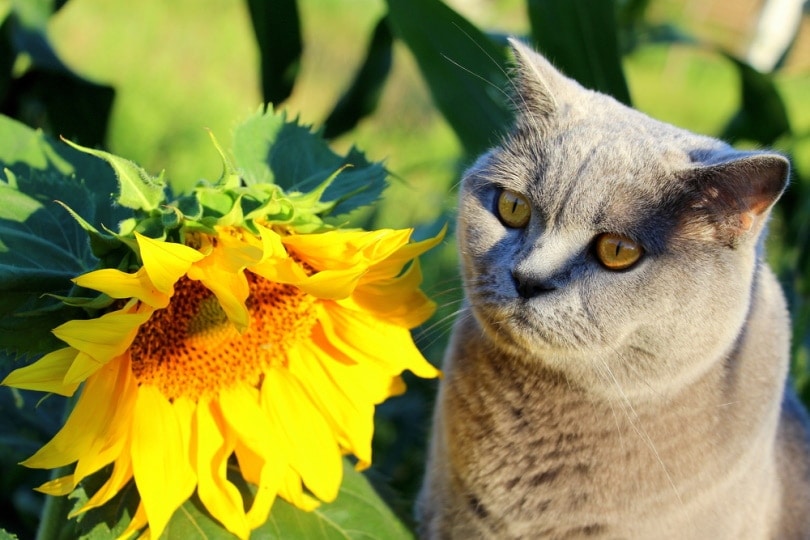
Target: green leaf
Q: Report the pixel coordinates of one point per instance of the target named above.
(41, 245)
(278, 36)
(464, 69)
(358, 512)
(762, 116)
(580, 38)
(268, 149)
(364, 93)
(138, 190)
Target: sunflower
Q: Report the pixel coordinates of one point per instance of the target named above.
(255, 344)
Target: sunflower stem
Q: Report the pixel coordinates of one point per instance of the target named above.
(56, 508)
(54, 513)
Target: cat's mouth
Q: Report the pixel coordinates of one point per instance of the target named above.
(521, 327)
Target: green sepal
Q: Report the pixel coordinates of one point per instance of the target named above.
(137, 189)
(214, 202)
(234, 216)
(230, 176)
(100, 244)
(171, 217)
(101, 301)
(190, 207)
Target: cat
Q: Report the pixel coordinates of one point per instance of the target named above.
(618, 368)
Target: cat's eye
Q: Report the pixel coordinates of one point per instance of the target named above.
(617, 252)
(513, 209)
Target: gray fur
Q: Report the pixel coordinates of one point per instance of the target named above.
(647, 403)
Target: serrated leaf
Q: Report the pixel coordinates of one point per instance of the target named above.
(268, 149)
(137, 189)
(464, 69)
(580, 37)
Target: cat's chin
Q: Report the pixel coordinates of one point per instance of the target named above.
(513, 331)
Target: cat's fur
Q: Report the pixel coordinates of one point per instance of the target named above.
(648, 403)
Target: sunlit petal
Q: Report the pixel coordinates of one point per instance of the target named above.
(212, 450)
(160, 462)
(86, 425)
(117, 284)
(315, 454)
(58, 486)
(103, 338)
(165, 262)
(46, 374)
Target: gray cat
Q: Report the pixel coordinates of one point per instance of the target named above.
(618, 368)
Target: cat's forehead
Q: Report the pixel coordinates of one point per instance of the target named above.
(600, 167)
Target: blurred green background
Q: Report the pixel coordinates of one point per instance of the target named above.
(178, 68)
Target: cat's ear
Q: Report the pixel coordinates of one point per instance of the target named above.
(734, 197)
(539, 87)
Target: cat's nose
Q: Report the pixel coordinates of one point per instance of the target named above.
(528, 286)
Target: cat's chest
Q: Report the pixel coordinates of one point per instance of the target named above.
(531, 449)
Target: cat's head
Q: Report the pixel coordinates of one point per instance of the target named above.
(608, 245)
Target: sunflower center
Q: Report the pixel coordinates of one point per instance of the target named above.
(190, 348)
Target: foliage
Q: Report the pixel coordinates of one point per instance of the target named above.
(464, 68)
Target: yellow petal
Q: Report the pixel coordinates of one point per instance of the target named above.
(58, 486)
(114, 442)
(395, 300)
(105, 337)
(315, 454)
(350, 418)
(231, 290)
(82, 367)
(262, 459)
(213, 447)
(344, 249)
(160, 462)
(46, 374)
(120, 477)
(118, 284)
(243, 414)
(292, 491)
(393, 264)
(266, 474)
(87, 425)
(222, 272)
(165, 262)
(385, 344)
(137, 523)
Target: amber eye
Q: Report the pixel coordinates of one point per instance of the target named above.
(513, 209)
(617, 252)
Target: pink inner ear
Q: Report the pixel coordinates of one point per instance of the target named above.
(760, 205)
(747, 220)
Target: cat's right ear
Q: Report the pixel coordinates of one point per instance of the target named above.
(533, 82)
(734, 197)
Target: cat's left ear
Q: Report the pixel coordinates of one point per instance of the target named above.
(735, 197)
